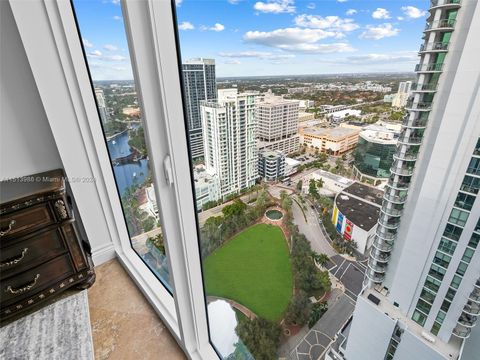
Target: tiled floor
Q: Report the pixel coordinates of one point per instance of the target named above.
(124, 325)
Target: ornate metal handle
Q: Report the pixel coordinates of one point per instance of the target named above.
(16, 260)
(26, 288)
(10, 226)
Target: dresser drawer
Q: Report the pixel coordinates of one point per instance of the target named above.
(24, 221)
(30, 251)
(36, 279)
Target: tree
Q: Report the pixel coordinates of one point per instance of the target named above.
(261, 337)
(317, 311)
(321, 259)
(236, 208)
(312, 189)
(320, 183)
(322, 281)
(299, 185)
(297, 309)
(285, 200)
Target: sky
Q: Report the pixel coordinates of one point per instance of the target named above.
(269, 37)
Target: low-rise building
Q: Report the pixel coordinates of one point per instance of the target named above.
(131, 111)
(336, 141)
(148, 202)
(332, 183)
(355, 214)
(271, 165)
(305, 116)
(207, 187)
(291, 166)
(374, 153)
(340, 115)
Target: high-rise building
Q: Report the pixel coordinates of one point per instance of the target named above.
(102, 108)
(199, 84)
(400, 99)
(421, 297)
(230, 134)
(277, 120)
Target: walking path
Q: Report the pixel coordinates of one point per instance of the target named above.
(243, 309)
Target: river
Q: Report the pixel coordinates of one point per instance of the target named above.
(126, 174)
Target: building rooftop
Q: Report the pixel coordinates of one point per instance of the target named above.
(382, 132)
(335, 133)
(365, 192)
(334, 177)
(271, 154)
(449, 350)
(360, 212)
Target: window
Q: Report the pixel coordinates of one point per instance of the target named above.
(470, 184)
(419, 318)
(473, 243)
(464, 201)
(474, 166)
(442, 259)
(452, 232)
(467, 255)
(121, 115)
(458, 217)
(447, 246)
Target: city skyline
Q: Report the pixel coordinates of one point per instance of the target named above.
(270, 38)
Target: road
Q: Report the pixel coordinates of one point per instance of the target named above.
(217, 210)
(311, 229)
(350, 273)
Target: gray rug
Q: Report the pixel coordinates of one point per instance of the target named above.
(59, 331)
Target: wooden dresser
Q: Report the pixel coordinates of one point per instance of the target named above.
(41, 251)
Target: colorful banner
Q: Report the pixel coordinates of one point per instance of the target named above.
(334, 216)
(339, 222)
(347, 234)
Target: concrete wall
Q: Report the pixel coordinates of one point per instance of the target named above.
(26, 141)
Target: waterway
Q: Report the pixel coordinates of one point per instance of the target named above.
(126, 174)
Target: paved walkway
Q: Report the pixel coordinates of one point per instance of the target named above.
(317, 340)
(243, 309)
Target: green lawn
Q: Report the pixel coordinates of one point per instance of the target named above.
(253, 269)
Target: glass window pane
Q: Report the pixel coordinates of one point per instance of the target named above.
(102, 32)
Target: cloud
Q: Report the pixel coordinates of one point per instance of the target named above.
(116, 17)
(311, 6)
(87, 43)
(351, 12)
(377, 32)
(233, 62)
(234, 2)
(328, 22)
(264, 55)
(186, 25)
(217, 27)
(412, 12)
(275, 6)
(95, 53)
(342, 1)
(110, 47)
(400, 18)
(381, 13)
(114, 58)
(401, 57)
(178, 2)
(116, 2)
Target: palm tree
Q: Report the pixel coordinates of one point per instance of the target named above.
(321, 259)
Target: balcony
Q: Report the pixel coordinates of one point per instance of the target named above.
(441, 25)
(405, 156)
(399, 185)
(396, 199)
(380, 256)
(419, 106)
(462, 332)
(424, 88)
(382, 246)
(428, 68)
(415, 124)
(471, 308)
(375, 277)
(391, 211)
(379, 268)
(467, 320)
(433, 47)
(392, 223)
(402, 170)
(449, 4)
(410, 140)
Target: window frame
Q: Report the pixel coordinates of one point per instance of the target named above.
(149, 26)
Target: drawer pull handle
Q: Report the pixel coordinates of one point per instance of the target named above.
(16, 260)
(10, 226)
(23, 289)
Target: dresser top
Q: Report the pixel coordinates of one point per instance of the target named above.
(31, 185)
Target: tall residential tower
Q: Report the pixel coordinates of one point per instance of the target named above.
(421, 297)
(230, 134)
(199, 84)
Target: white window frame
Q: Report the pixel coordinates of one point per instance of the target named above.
(54, 50)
